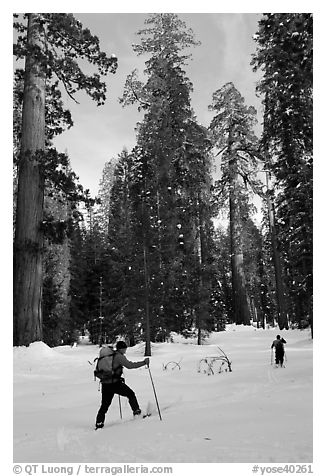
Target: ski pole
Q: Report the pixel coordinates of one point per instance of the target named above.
(271, 356)
(158, 408)
(120, 407)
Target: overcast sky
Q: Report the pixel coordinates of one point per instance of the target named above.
(100, 133)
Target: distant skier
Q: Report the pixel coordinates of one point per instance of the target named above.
(113, 383)
(278, 345)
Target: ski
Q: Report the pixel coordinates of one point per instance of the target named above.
(142, 417)
(147, 413)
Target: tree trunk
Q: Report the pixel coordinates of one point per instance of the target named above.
(28, 275)
(147, 317)
(145, 261)
(202, 305)
(282, 318)
(240, 300)
(263, 290)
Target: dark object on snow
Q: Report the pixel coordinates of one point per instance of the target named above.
(278, 345)
(208, 364)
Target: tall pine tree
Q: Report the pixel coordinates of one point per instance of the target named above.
(171, 183)
(285, 54)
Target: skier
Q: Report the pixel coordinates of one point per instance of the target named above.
(115, 383)
(278, 345)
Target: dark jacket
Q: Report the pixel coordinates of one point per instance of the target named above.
(278, 344)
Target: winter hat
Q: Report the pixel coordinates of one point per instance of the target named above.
(121, 345)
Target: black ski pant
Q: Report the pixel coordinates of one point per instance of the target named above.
(279, 356)
(108, 392)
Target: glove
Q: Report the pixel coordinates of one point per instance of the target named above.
(146, 360)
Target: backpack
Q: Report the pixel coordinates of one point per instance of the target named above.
(278, 344)
(104, 369)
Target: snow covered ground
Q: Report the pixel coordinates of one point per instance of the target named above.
(256, 413)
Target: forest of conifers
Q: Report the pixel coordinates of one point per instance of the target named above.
(150, 255)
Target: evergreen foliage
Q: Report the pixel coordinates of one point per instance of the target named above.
(146, 257)
(170, 189)
(285, 54)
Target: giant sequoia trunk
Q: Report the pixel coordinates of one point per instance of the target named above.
(240, 299)
(233, 128)
(30, 196)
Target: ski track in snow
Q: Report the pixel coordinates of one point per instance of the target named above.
(256, 413)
